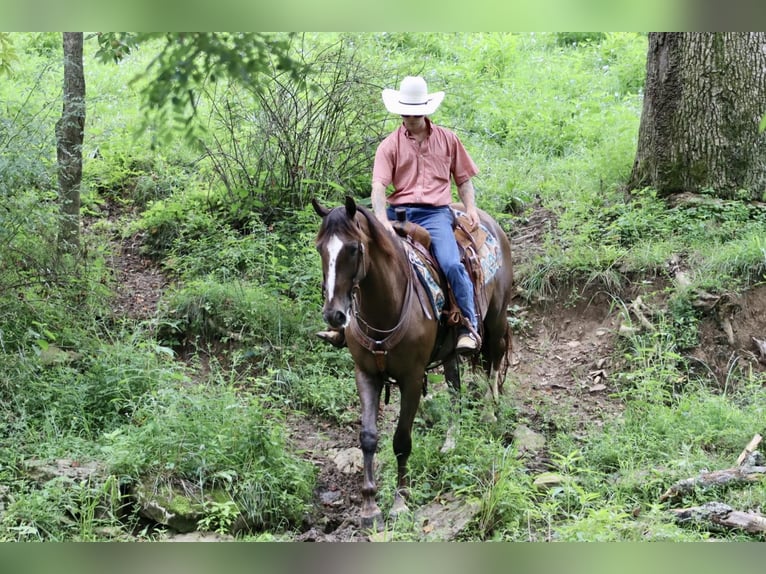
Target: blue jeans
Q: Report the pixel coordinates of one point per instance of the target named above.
(438, 222)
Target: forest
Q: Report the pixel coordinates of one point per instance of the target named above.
(160, 289)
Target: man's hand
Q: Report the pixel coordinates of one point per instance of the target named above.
(467, 196)
(387, 224)
(473, 218)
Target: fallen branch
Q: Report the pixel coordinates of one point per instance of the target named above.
(746, 473)
(719, 514)
(749, 449)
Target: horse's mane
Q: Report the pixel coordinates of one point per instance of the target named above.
(382, 238)
(337, 221)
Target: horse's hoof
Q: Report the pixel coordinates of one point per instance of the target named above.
(399, 508)
(374, 523)
(399, 512)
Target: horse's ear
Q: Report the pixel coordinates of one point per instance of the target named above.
(350, 207)
(319, 208)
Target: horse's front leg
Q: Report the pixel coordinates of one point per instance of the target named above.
(369, 394)
(411, 391)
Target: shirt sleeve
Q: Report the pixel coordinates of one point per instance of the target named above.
(463, 167)
(383, 167)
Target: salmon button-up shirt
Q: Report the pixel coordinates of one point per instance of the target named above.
(420, 172)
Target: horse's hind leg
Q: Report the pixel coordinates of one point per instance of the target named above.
(452, 375)
(369, 395)
(495, 354)
(411, 391)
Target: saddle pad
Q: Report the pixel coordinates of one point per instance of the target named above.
(489, 251)
(429, 280)
(489, 254)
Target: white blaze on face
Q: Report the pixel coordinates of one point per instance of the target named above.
(334, 246)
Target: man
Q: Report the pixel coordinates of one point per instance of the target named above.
(419, 159)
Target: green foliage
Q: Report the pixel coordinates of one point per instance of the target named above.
(87, 392)
(606, 238)
(128, 176)
(186, 61)
(176, 222)
(205, 311)
(7, 54)
(210, 434)
(575, 38)
(40, 287)
(61, 510)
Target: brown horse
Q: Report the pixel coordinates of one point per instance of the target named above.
(371, 291)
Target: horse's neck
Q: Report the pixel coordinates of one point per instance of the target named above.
(383, 290)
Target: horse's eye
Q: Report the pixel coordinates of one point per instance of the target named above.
(353, 248)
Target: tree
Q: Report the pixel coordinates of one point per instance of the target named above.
(704, 99)
(69, 136)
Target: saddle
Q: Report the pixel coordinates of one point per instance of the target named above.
(469, 244)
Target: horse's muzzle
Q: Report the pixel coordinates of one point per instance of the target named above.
(335, 318)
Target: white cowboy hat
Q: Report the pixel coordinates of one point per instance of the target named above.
(412, 99)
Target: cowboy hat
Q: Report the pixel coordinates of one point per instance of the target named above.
(412, 98)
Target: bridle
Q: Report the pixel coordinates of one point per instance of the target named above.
(377, 341)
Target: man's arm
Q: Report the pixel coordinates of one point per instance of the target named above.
(378, 197)
(468, 197)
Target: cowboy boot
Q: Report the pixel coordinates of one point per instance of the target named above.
(336, 337)
(468, 339)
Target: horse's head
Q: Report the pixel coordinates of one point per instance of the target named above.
(342, 244)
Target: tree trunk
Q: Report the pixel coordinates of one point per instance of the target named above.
(69, 137)
(704, 99)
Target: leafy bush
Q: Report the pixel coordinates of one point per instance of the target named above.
(174, 223)
(84, 393)
(275, 145)
(205, 311)
(124, 175)
(210, 435)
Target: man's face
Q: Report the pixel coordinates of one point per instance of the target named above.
(413, 123)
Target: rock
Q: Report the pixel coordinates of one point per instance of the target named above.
(78, 471)
(528, 440)
(349, 460)
(446, 517)
(52, 355)
(169, 505)
(548, 480)
(331, 497)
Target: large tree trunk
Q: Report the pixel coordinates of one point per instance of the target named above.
(704, 99)
(69, 136)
